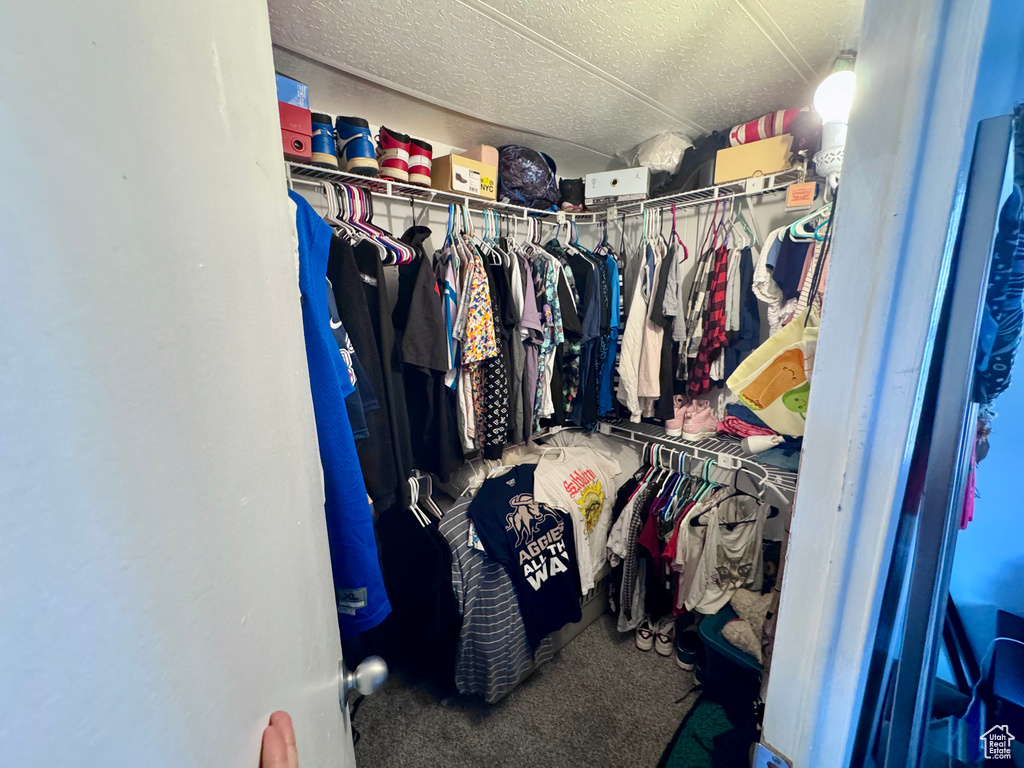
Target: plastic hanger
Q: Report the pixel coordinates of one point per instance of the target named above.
(712, 232)
(755, 233)
(331, 217)
(335, 216)
(797, 229)
(450, 230)
(400, 252)
(414, 494)
(674, 235)
(358, 212)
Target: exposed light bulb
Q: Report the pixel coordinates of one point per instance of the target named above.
(834, 97)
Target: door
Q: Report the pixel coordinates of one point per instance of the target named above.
(164, 574)
(897, 707)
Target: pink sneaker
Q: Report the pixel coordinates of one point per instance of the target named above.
(674, 426)
(699, 421)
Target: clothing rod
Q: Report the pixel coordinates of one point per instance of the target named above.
(779, 486)
(730, 190)
(435, 204)
(395, 190)
(653, 206)
(406, 200)
(743, 188)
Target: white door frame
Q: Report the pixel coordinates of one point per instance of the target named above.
(925, 76)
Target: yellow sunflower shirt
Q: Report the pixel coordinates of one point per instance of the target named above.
(581, 482)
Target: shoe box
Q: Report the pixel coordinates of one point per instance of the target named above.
(465, 176)
(296, 119)
(618, 186)
(483, 153)
(758, 158)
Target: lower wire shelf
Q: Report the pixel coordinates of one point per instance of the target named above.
(777, 486)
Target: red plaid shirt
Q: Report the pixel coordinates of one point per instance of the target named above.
(714, 339)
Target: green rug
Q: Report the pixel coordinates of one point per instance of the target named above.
(707, 738)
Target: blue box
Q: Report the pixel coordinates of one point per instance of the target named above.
(292, 91)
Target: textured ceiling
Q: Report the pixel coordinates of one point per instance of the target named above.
(604, 74)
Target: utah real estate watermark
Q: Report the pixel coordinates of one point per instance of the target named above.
(997, 742)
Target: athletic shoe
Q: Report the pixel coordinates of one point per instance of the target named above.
(325, 145)
(645, 635)
(674, 426)
(393, 154)
(699, 421)
(420, 157)
(665, 637)
(687, 647)
(355, 146)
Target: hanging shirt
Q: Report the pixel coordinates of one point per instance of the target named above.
(493, 654)
(446, 279)
(748, 336)
(359, 588)
(531, 333)
(649, 376)
(419, 316)
(375, 290)
(629, 358)
(689, 543)
(789, 266)
(476, 330)
(495, 371)
(764, 285)
(731, 557)
(605, 398)
(546, 276)
(376, 452)
(421, 332)
(713, 339)
(535, 543)
(361, 398)
(581, 482)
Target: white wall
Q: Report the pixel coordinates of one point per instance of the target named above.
(163, 565)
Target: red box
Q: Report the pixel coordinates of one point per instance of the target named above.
(296, 132)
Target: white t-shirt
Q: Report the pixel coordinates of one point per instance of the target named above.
(581, 482)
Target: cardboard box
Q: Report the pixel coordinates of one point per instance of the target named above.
(483, 153)
(296, 132)
(759, 158)
(464, 176)
(618, 186)
(291, 91)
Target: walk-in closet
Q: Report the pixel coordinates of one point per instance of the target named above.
(595, 362)
(496, 382)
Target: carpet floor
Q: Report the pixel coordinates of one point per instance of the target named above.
(599, 702)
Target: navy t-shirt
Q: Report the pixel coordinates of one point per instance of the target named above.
(535, 544)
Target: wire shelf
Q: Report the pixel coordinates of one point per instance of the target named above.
(779, 480)
(396, 190)
(758, 185)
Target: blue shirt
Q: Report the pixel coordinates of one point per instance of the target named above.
(359, 588)
(605, 400)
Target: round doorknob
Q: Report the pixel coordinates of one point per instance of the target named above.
(370, 675)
